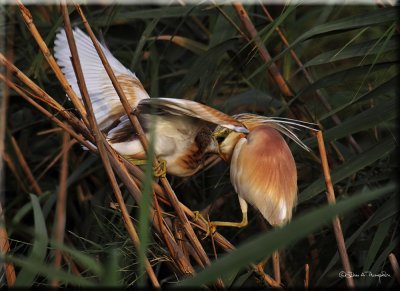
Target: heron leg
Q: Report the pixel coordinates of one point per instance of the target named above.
(159, 171)
(212, 225)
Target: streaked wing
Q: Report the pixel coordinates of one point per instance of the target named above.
(190, 108)
(106, 103)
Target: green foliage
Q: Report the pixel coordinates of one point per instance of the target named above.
(350, 53)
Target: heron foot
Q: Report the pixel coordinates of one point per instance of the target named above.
(159, 171)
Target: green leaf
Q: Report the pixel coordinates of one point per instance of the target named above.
(378, 264)
(144, 208)
(203, 65)
(357, 50)
(27, 274)
(82, 259)
(384, 111)
(263, 245)
(345, 75)
(24, 210)
(143, 39)
(250, 97)
(48, 271)
(372, 18)
(126, 15)
(187, 43)
(385, 88)
(376, 17)
(223, 30)
(350, 167)
(112, 275)
(380, 235)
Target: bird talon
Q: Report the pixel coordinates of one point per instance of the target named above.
(211, 228)
(161, 169)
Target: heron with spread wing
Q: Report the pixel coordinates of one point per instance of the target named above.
(183, 128)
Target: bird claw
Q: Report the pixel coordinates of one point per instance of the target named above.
(211, 228)
(161, 169)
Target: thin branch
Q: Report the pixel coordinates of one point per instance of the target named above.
(270, 281)
(25, 167)
(27, 16)
(306, 276)
(9, 269)
(61, 206)
(330, 194)
(4, 249)
(264, 54)
(276, 266)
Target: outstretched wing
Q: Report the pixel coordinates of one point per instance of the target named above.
(106, 103)
(190, 108)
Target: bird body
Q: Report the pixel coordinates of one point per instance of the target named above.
(182, 127)
(263, 173)
(262, 168)
(183, 144)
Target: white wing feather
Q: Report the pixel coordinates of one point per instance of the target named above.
(105, 100)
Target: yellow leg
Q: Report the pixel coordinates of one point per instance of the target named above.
(212, 225)
(159, 171)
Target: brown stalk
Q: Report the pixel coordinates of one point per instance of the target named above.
(395, 267)
(61, 207)
(51, 61)
(140, 133)
(330, 194)
(259, 269)
(165, 232)
(310, 80)
(306, 276)
(25, 167)
(264, 54)
(9, 270)
(4, 249)
(100, 141)
(276, 267)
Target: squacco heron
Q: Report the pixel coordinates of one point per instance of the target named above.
(262, 170)
(184, 137)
